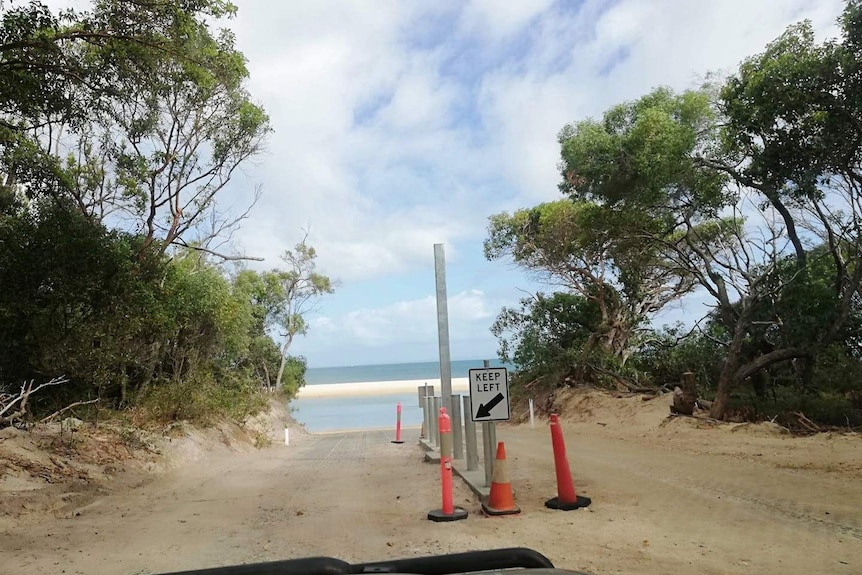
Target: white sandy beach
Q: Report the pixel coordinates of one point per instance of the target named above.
(459, 385)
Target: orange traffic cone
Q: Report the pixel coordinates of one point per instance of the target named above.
(500, 501)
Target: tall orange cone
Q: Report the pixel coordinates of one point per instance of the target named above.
(500, 501)
(566, 499)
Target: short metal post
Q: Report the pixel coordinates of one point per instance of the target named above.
(431, 421)
(470, 433)
(423, 391)
(532, 421)
(489, 441)
(438, 401)
(457, 430)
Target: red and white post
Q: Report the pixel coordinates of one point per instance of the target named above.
(398, 424)
(448, 512)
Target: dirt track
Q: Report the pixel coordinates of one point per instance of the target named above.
(667, 498)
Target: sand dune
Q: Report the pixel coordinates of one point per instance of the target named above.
(459, 385)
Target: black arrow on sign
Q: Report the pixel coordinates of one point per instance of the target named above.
(485, 409)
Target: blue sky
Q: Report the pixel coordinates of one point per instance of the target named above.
(402, 124)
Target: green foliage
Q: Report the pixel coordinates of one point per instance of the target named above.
(154, 119)
(670, 175)
(673, 351)
(204, 399)
(641, 155)
(151, 106)
(294, 376)
(122, 329)
(290, 294)
(595, 252)
(540, 335)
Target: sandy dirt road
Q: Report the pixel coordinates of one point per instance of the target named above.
(719, 502)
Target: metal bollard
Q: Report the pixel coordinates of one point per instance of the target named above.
(424, 406)
(457, 435)
(470, 433)
(432, 421)
(424, 391)
(437, 401)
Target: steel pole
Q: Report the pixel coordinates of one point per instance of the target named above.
(470, 432)
(431, 422)
(457, 430)
(443, 327)
(436, 409)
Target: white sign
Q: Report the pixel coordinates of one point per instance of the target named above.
(489, 394)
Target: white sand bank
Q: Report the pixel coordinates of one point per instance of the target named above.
(459, 385)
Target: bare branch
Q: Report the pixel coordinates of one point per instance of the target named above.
(19, 400)
(67, 408)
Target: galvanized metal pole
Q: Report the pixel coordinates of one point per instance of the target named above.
(436, 412)
(489, 441)
(431, 424)
(457, 430)
(487, 454)
(443, 327)
(424, 431)
(470, 432)
(424, 406)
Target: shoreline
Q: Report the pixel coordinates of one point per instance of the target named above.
(370, 388)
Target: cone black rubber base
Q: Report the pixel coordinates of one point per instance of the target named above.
(438, 515)
(556, 504)
(495, 512)
(393, 441)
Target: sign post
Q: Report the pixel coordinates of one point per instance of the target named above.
(489, 402)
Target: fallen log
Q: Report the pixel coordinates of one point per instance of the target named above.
(807, 423)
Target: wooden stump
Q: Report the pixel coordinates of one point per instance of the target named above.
(684, 398)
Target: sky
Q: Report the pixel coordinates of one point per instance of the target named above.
(401, 124)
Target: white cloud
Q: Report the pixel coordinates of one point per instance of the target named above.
(357, 115)
(495, 20)
(408, 322)
(383, 150)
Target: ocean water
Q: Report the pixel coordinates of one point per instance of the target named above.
(373, 411)
(391, 371)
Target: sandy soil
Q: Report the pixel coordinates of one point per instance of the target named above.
(669, 496)
(459, 385)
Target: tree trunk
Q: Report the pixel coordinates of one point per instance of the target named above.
(803, 367)
(616, 339)
(288, 340)
(150, 372)
(733, 373)
(267, 380)
(727, 379)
